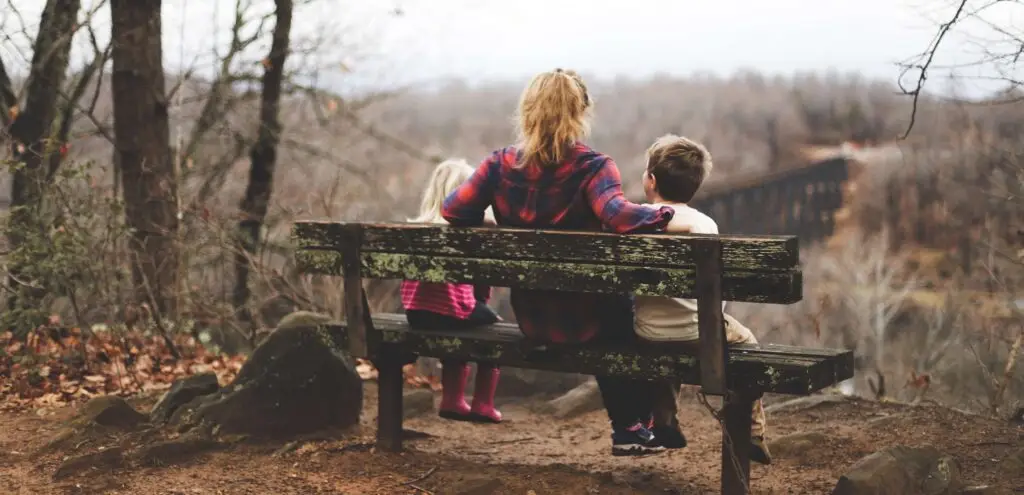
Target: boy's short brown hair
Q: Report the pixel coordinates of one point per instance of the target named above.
(679, 166)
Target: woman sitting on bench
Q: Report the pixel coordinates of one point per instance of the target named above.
(550, 179)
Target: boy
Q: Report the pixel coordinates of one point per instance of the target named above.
(676, 168)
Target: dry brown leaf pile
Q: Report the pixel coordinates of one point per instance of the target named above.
(55, 366)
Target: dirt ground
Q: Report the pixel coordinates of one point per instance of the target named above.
(529, 453)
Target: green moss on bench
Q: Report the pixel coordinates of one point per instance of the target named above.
(737, 285)
(766, 368)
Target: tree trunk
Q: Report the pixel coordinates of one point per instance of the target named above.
(8, 101)
(263, 156)
(30, 130)
(142, 133)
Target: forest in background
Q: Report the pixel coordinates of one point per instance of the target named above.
(919, 282)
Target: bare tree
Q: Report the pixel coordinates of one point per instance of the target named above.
(263, 156)
(943, 324)
(875, 285)
(30, 132)
(142, 132)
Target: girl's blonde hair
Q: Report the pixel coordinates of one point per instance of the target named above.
(554, 113)
(447, 176)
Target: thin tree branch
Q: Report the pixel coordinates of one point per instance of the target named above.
(71, 101)
(929, 56)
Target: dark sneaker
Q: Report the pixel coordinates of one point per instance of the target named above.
(669, 437)
(759, 451)
(635, 440)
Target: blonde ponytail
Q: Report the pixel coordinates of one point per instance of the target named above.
(554, 113)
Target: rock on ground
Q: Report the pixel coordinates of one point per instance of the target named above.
(110, 411)
(580, 400)
(902, 471)
(883, 423)
(99, 418)
(797, 444)
(417, 402)
(182, 392)
(299, 380)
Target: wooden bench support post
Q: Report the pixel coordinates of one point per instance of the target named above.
(710, 324)
(357, 309)
(389, 400)
(736, 443)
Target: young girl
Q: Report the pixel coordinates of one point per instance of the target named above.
(444, 306)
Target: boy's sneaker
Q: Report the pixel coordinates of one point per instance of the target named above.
(759, 451)
(669, 437)
(635, 440)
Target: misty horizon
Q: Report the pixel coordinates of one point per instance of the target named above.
(411, 42)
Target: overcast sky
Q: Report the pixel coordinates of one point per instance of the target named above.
(510, 39)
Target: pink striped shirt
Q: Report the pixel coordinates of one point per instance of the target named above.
(455, 300)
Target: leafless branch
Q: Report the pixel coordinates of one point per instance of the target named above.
(218, 171)
(23, 27)
(218, 103)
(71, 100)
(929, 56)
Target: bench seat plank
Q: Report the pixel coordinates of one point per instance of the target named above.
(769, 368)
(779, 287)
(756, 253)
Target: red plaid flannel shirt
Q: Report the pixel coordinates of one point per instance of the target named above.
(582, 193)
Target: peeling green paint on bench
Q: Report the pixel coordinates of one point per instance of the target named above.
(751, 365)
(738, 252)
(317, 261)
(766, 287)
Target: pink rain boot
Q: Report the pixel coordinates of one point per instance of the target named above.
(483, 410)
(453, 390)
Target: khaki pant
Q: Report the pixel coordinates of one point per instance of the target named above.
(665, 397)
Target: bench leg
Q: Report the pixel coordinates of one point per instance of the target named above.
(389, 402)
(736, 444)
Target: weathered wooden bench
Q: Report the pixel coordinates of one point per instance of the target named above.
(710, 268)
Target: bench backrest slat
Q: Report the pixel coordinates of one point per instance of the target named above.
(754, 268)
(669, 251)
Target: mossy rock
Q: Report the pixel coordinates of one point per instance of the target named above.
(110, 411)
(182, 392)
(299, 380)
(903, 470)
(99, 420)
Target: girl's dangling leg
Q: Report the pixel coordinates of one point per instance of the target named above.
(483, 396)
(453, 390)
